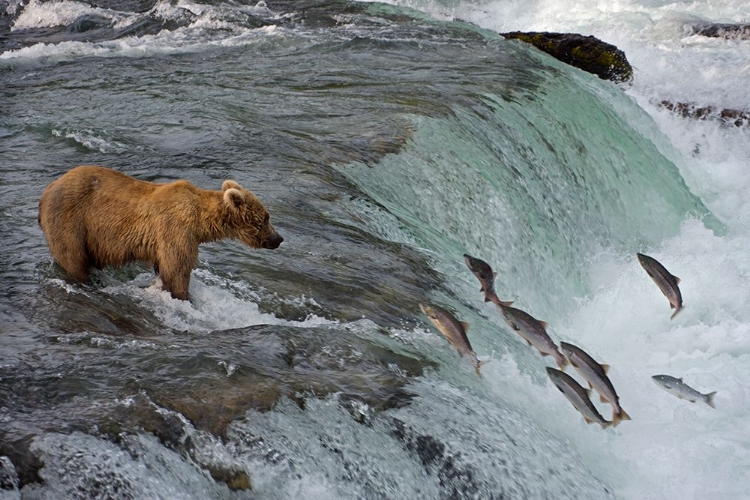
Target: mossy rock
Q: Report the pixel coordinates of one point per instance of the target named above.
(584, 52)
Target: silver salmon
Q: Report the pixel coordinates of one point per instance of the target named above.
(453, 330)
(666, 282)
(596, 375)
(676, 387)
(484, 274)
(533, 331)
(578, 396)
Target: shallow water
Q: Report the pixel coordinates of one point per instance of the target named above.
(385, 144)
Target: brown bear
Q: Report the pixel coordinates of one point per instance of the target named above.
(95, 216)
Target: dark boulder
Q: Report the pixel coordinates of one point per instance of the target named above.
(738, 31)
(725, 116)
(584, 52)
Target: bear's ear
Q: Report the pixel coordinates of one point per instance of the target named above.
(230, 185)
(234, 198)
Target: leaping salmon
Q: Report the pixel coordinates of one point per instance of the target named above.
(533, 331)
(666, 281)
(484, 274)
(453, 330)
(578, 396)
(676, 387)
(596, 375)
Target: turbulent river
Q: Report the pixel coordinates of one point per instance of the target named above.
(386, 140)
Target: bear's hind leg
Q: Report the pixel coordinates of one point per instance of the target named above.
(74, 260)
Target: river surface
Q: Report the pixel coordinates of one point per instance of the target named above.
(386, 140)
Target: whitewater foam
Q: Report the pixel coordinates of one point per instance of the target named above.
(37, 14)
(213, 305)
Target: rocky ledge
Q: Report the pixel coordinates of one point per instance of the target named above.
(725, 116)
(738, 31)
(584, 52)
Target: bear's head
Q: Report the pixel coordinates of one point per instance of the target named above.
(247, 218)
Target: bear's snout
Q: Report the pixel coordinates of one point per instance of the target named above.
(273, 241)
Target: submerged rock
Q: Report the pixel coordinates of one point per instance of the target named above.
(584, 52)
(738, 31)
(8, 475)
(735, 117)
(18, 465)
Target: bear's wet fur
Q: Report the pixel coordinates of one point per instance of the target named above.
(94, 217)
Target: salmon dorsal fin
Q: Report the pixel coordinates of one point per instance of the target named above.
(676, 279)
(465, 325)
(544, 324)
(588, 392)
(605, 369)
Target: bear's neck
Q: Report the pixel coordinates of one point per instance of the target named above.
(213, 215)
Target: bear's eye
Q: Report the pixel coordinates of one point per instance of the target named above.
(266, 219)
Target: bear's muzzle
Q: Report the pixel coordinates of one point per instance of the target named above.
(273, 241)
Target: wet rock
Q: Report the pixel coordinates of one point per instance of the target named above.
(123, 5)
(8, 475)
(174, 432)
(584, 52)
(88, 23)
(235, 479)
(213, 406)
(732, 31)
(456, 479)
(24, 464)
(729, 117)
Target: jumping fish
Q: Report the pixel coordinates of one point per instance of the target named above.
(533, 331)
(666, 282)
(484, 274)
(596, 375)
(453, 330)
(578, 396)
(676, 387)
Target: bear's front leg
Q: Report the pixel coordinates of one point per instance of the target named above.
(174, 269)
(175, 278)
(176, 283)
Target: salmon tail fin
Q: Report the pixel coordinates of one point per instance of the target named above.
(678, 309)
(710, 399)
(479, 365)
(619, 417)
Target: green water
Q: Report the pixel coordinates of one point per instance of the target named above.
(534, 183)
